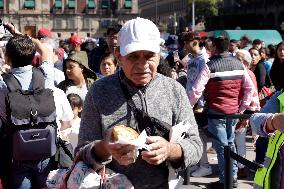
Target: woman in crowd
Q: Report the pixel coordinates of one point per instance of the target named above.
(78, 76)
(264, 53)
(257, 67)
(262, 79)
(108, 64)
(277, 69)
(241, 128)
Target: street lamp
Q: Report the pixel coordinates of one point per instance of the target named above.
(156, 12)
(193, 15)
(175, 23)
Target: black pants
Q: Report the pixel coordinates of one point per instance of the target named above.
(261, 147)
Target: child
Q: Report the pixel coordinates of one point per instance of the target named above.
(71, 134)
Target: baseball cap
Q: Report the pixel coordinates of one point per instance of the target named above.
(172, 42)
(75, 39)
(44, 33)
(139, 34)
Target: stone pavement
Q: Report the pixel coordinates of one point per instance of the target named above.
(200, 182)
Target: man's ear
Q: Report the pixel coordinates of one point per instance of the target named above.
(8, 60)
(117, 55)
(116, 52)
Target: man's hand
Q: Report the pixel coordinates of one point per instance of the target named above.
(160, 152)
(11, 28)
(243, 123)
(276, 122)
(124, 154)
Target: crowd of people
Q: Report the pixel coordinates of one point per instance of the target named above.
(184, 84)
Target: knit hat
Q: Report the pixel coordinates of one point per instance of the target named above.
(82, 59)
(44, 33)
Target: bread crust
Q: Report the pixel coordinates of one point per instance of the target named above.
(123, 132)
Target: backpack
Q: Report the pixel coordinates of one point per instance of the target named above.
(31, 125)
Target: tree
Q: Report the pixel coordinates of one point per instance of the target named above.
(204, 9)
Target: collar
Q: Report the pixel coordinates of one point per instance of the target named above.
(21, 70)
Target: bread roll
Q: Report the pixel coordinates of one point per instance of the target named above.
(122, 132)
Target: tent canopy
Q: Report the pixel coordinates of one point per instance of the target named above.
(268, 36)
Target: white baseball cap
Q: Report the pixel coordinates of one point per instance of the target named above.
(139, 34)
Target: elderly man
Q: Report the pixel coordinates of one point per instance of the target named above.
(107, 105)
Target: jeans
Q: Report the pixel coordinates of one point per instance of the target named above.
(29, 174)
(223, 130)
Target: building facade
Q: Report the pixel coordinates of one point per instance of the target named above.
(169, 15)
(257, 14)
(89, 18)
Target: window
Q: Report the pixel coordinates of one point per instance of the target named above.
(29, 4)
(58, 4)
(128, 4)
(71, 4)
(57, 23)
(71, 24)
(104, 4)
(87, 23)
(105, 23)
(1, 4)
(91, 4)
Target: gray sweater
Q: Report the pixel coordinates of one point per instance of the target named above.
(163, 98)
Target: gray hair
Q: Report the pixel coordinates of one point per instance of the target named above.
(244, 56)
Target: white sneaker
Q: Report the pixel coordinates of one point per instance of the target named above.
(202, 172)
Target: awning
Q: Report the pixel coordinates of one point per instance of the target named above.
(128, 4)
(29, 4)
(58, 4)
(91, 4)
(105, 4)
(1, 4)
(268, 36)
(71, 4)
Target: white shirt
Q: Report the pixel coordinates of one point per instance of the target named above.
(81, 91)
(58, 76)
(63, 109)
(71, 134)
